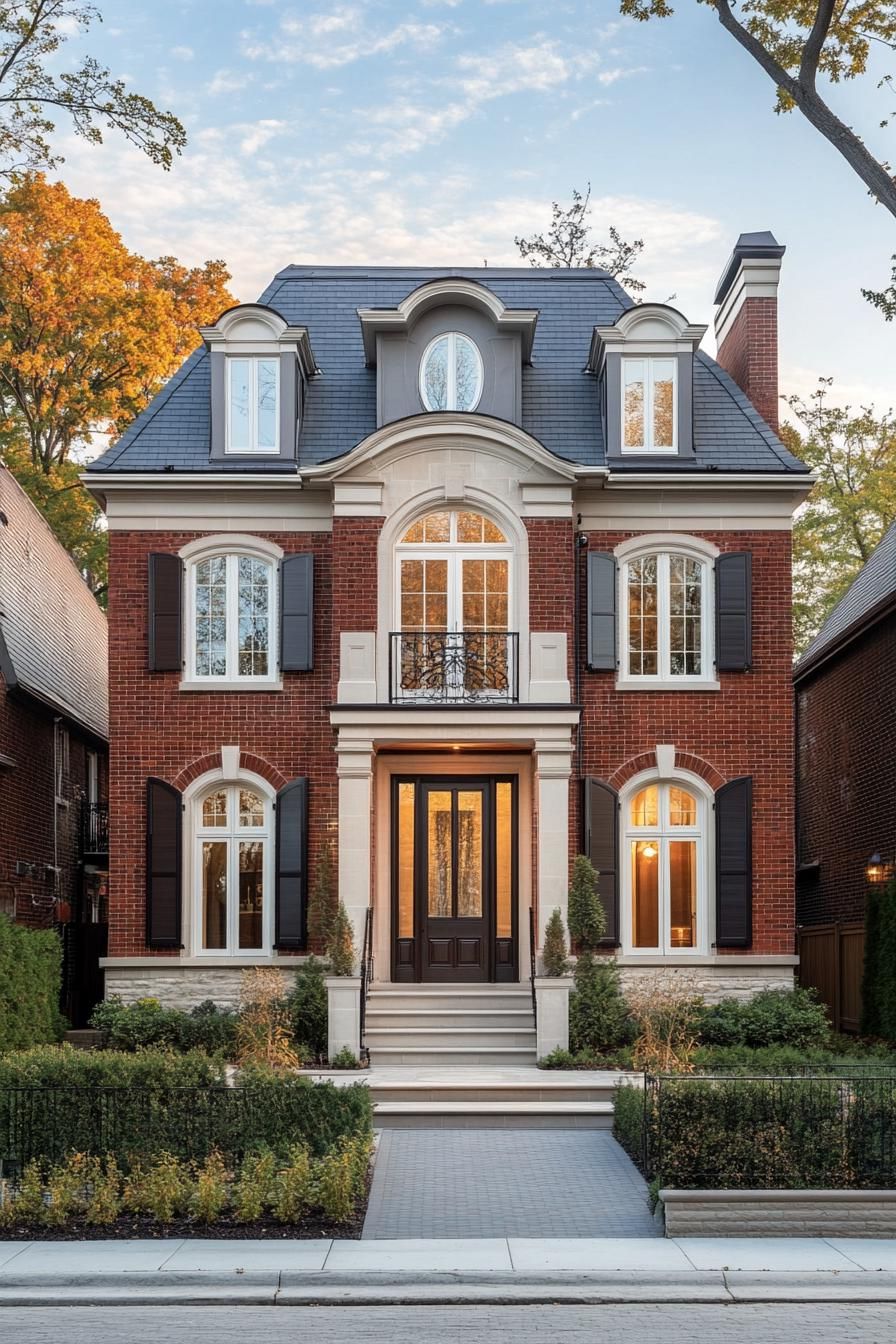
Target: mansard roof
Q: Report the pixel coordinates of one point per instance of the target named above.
(560, 406)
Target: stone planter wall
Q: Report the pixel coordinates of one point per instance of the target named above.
(779, 1213)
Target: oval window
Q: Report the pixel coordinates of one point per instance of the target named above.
(451, 373)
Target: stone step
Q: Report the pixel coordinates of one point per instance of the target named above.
(543, 1088)
(426, 1057)
(448, 1017)
(447, 998)
(493, 1114)
(463, 1038)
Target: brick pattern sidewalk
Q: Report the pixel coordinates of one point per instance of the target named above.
(505, 1183)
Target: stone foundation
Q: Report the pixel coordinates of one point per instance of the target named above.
(716, 980)
(184, 986)
(779, 1213)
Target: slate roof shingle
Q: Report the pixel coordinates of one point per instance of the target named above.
(869, 590)
(54, 632)
(559, 399)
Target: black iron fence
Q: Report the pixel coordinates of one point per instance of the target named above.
(835, 1130)
(454, 667)
(94, 828)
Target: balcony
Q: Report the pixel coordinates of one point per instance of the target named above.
(454, 667)
(94, 831)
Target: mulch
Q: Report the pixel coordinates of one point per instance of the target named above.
(139, 1227)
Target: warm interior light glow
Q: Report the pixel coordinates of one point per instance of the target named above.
(649, 851)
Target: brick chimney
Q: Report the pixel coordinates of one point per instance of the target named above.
(747, 320)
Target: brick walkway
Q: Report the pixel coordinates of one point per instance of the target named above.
(505, 1183)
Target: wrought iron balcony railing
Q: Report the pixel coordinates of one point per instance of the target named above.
(454, 667)
(94, 828)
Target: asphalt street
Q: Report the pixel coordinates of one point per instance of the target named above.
(782, 1323)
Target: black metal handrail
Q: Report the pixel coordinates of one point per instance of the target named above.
(532, 965)
(94, 827)
(454, 666)
(366, 975)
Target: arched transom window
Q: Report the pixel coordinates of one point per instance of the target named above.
(451, 373)
(232, 825)
(453, 601)
(664, 852)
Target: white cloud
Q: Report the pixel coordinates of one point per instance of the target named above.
(803, 382)
(340, 37)
(182, 53)
(226, 81)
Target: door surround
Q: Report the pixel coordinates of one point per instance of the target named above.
(504, 765)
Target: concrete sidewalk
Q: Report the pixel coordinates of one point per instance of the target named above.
(490, 1270)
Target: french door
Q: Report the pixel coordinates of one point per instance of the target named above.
(454, 879)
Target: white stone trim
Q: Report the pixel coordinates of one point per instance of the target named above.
(650, 541)
(212, 543)
(438, 293)
(230, 763)
(756, 278)
(665, 760)
(548, 678)
(357, 667)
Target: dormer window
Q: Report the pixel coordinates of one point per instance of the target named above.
(648, 401)
(252, 405)
(451, 373)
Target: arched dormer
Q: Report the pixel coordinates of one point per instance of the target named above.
(260, 366)
(451, 345)
(645, 364)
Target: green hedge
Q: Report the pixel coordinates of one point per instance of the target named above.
(879, 979)
(773, 1017)
(749, 1133)
(127, 1106)
(30, 985)
(147, 1025)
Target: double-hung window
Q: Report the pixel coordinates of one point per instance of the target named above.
(253, 405)
(232, 624)
(649, 412)
(666, 629)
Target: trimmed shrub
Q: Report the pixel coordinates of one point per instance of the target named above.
(628, 1121)
(322, 900)
(553, 953)
(147, 1025)
(599, 1019)
(341, 947)
(62, 1066)
(585, 914)
(773, 1017)
(879, 978)
(30, 985)
(307, 1007)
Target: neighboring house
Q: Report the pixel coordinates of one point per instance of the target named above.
(462, 572)
(845, 685)
(54, 731)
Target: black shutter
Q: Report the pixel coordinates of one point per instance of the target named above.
(734, 863)
(166, 596)
(601, 611)
(734, 612)
(292, 859)
(297, 613)
(601, 825)
(164, 812)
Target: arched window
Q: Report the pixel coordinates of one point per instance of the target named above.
(664, 862)
(666, 627)
(453, 600)
(233, 867)
(231, 622)
(451, 373)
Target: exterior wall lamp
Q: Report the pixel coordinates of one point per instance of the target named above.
(877, 869)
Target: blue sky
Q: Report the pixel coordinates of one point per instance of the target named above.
(432, 131)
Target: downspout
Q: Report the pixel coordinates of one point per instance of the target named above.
(580, 543)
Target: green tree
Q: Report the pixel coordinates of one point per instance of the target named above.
(585, 913)
(795, 42)
(33, 97)
(568, 242)
(341, 947)
(553, 954)
(322, 899)
(853, 502)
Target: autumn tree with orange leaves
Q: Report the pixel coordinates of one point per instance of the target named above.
(89, 332)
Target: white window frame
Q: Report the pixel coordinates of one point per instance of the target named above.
(452, 371)
(93, 778)
(233, 679)
(664, 833)
(649, 361)
(254, 448)
(198, 834)
(706, 680)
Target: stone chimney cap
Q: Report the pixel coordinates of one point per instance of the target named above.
(760, 245)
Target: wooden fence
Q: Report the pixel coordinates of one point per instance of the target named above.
(832, 959)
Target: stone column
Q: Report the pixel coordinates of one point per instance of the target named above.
(552, 1013)
(553, 765)
(355, 774)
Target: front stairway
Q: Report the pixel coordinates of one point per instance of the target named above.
(450, 1056)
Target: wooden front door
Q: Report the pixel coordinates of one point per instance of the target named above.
(454, 879)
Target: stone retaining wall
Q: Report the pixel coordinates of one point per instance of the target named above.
(779, 1213)
(184, 987)
(714, 982)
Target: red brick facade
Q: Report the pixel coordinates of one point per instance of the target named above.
(749, 353)
(846, 775)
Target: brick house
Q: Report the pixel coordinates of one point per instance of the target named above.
(845, 691)
(53, 744)
(460, 572)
